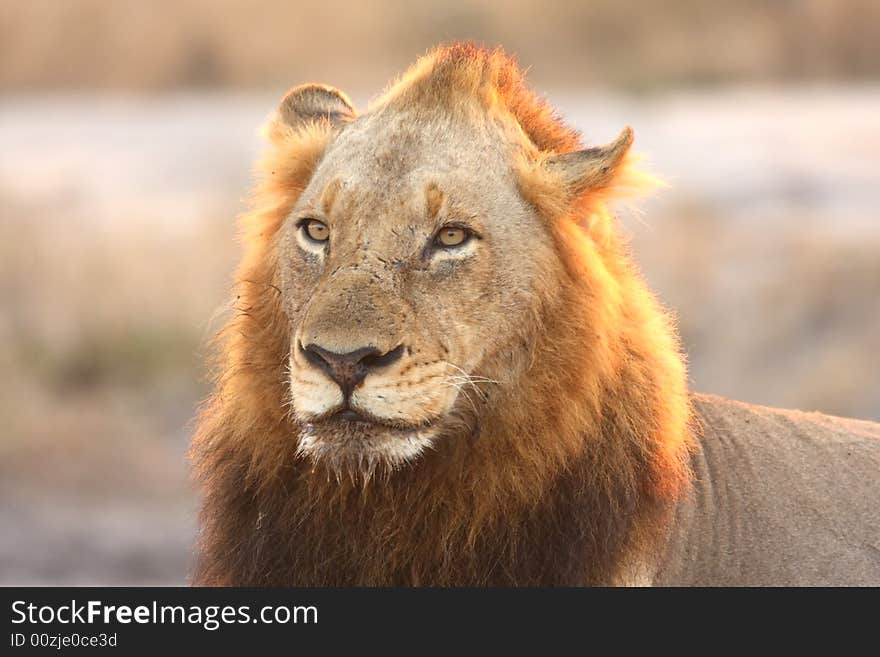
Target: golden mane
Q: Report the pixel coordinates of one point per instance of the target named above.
(565, 480)
(465, 71)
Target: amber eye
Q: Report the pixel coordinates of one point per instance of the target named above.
(452, 236)
(315, 230)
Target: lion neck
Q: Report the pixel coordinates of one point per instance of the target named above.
(570, 474)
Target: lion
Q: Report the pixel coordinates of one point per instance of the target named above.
(444, 369)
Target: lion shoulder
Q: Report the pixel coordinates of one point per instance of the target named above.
(779, 497)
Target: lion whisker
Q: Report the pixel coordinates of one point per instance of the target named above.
(472, 380)
(463, 392)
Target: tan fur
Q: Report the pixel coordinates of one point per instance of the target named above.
(539, 428)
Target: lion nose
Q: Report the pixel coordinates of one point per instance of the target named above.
(349, 370)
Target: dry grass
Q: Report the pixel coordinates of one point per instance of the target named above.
(127, 44)
(101, 345)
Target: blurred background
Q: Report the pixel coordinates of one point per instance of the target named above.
(127, 133)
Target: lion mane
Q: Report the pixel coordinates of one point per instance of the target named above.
(569, 479)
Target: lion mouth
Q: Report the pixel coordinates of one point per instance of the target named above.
(347, 416)
(352, 416)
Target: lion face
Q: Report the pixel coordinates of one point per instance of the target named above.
(409, 270)
(417, 264)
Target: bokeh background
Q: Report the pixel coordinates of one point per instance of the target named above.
(127, 133)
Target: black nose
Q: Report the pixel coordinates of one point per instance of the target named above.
(350, 369)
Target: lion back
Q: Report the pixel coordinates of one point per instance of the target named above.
(779, 498)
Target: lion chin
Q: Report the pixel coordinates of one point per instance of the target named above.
(353, 445)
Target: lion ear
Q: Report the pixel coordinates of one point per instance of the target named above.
(315, 102)
(593, 168)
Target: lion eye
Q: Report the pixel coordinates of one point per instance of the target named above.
(452, 236)
(315, 230)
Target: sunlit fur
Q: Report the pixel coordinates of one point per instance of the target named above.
(565, 476)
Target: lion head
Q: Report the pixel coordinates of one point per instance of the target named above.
(433, 289)
(415, 273)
